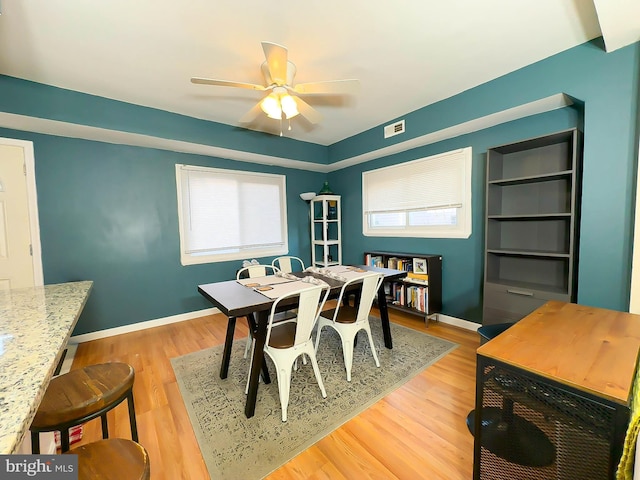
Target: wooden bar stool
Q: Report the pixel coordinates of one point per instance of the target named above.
(82, 395)
(115, 458)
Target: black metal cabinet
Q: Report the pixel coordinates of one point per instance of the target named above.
(530, 426)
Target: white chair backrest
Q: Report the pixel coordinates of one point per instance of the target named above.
(253, 271)
(370, 285)
(288, 264)
(311, 301)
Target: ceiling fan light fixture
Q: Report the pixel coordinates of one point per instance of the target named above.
(289, 106)
(283, 101)
(277, 103)
(271, 106)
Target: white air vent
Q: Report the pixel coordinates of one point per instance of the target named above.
(394, 129)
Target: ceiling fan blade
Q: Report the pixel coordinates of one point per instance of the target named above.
(330, 87)
(226, 83)
(307, 111)
(276, 56)
(252, 114)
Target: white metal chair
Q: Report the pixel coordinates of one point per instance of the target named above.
(288, 264)
(254, 271)
(348, 320)
(286, 341)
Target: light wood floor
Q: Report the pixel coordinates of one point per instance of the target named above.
(418, 431)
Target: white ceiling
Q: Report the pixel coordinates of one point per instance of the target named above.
(406, 54)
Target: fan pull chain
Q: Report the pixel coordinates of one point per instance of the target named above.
(280, 126)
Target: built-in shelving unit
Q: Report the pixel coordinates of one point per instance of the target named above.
(326, 232)
(533, 189)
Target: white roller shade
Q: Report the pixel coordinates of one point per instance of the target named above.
(227, 212)
(428, 183)
(429, 197)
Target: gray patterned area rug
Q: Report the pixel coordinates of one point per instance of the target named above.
(235, 447)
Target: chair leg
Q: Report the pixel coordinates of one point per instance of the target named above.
(347, 353)
(320, 327)
(132, 417)
(246, 388)
(64, 440)
(373, 348)
(247, 347)
(284, 384)
(35, 442)
(105, 426)
(316, 370)
(304, 362)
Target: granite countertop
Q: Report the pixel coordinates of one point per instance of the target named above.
(35, 325)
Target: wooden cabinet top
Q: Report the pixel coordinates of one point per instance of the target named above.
(591, 349)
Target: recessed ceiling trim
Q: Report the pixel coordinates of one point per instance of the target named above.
(553, 102)
(65, 129)
(85, 132)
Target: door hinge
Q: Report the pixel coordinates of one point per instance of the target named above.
(31, 250)
(24, 169)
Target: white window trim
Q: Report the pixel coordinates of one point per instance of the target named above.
(462, 230)
(190, 259)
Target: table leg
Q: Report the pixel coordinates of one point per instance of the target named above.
(228, 342)
(251, 319)
(257, 362)
(384, 317)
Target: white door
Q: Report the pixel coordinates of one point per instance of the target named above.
(20, 262)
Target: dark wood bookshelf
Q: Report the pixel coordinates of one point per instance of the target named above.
(412, 295)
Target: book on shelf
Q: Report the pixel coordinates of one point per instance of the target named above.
(418, 276)
(375, 261)
(401, 264)
(417, 298)
(410, 296)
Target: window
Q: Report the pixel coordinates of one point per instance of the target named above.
(429, 197)
(230, 215)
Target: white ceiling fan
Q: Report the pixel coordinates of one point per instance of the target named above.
(283, 99)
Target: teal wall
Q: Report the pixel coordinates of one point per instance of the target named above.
(37, 100)
(108, 212)
(462, 259)
(605, 86)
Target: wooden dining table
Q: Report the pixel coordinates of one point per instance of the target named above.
(235, 300)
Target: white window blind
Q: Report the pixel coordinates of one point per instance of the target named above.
(228, 214)
(429, 197)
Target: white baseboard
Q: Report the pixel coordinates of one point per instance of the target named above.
(134, 327)
(458, 322)
(110, 332)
